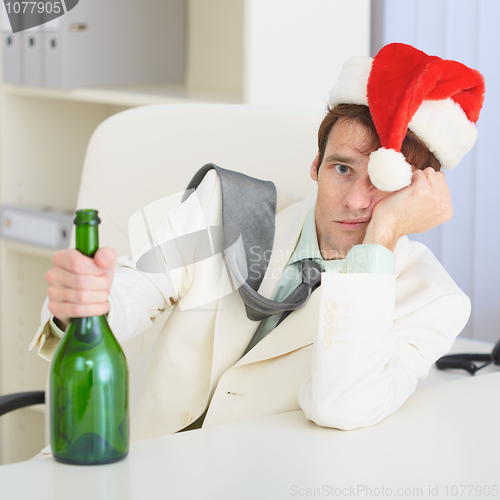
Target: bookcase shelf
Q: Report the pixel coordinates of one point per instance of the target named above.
(130, 96)
(23, 248)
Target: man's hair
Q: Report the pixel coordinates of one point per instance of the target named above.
(414, 150)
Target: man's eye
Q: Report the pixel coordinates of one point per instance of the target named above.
(342, 169)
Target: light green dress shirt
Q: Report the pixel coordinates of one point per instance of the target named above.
(360, 259)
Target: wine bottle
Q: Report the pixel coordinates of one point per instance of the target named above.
(89, 421)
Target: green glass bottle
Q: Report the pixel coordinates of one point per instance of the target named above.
(89, 381)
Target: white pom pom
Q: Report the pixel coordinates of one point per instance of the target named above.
(388, 170)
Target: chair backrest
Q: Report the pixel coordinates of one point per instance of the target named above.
(144, 154)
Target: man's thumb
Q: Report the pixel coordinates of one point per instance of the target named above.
(105, 258)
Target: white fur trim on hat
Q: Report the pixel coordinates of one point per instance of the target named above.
(445, 130)
(388, 170)
(351, 85)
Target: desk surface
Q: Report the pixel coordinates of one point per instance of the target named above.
(446, 435)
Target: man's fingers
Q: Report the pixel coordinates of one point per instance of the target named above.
(437, 181)
(443, 185)
(422, 205)
(75, 262)
(418, 177)
(58, 277)
(77, 296)
(435, 178)
(79, 285)
(66, 310)
(428, 176)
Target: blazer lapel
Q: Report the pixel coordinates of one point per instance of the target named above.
(296, 331)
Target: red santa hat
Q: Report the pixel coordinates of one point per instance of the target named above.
(437, 99)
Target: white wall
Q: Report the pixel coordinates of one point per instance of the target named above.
(469, 244)
(295, 48)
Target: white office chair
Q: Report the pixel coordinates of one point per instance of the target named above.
(142, 155)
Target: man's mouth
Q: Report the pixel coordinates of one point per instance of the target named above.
(352, 223)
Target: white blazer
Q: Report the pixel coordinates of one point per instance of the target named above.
(387, 331)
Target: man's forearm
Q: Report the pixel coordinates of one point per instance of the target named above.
(384, 335)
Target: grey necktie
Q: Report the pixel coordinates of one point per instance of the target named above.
(242, 197)
(311, 279)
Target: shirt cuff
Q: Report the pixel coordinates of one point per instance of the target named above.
(368, 258)
(46, 340)
(54, 329)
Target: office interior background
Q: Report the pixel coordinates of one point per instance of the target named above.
(282, 53)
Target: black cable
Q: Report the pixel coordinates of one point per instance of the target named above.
(464, 361)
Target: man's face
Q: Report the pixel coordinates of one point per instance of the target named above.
(346, 196)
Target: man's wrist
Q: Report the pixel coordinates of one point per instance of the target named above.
(380, 235)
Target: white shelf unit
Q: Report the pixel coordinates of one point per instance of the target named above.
(262, 52)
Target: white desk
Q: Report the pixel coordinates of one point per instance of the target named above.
(446, 435)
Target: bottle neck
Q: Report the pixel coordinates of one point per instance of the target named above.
(89, 331)
(87, 239)
(87, 242)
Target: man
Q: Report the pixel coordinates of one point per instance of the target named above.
(386, 309)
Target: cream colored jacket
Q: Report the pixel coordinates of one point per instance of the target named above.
(350, 357)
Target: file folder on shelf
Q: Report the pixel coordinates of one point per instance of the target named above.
(12, 57)
(12, 54)
(52, 53)
(33, 54)
(45, 228)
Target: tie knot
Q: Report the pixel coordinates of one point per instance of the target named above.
(311, 273)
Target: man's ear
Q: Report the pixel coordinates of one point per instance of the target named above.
(314, 168)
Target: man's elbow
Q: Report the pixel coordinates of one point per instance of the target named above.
(346, 413)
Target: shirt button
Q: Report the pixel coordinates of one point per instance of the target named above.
(331, 305)
(331, 318)
(330, 329)
(186, 417)
(328, 343)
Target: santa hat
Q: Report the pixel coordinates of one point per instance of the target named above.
(437, 99)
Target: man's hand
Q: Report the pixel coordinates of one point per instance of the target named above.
(422, 205)
(78, 285)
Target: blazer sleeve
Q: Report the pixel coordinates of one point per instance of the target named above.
(137, 297)
(377, 335)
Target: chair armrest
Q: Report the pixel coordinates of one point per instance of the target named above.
(11, 402)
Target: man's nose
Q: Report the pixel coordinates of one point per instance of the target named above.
(360, 195)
